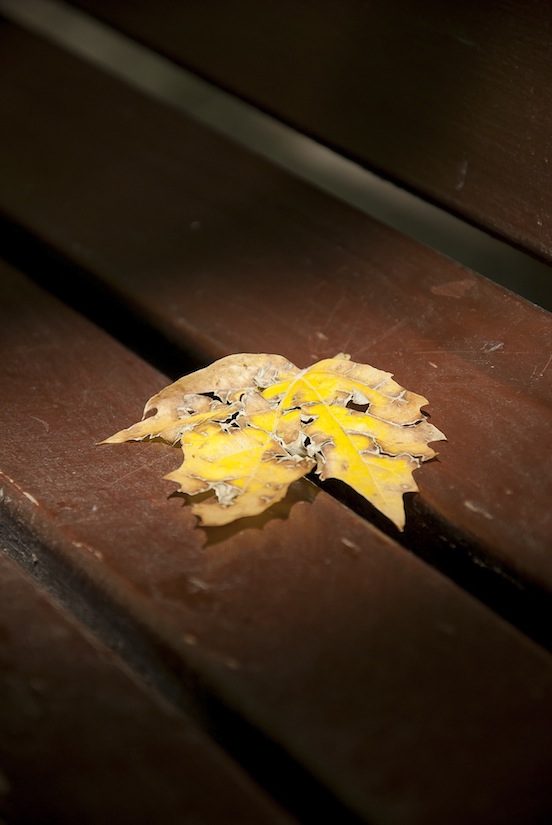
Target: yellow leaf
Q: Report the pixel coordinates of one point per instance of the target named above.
(346, 452)
(250, 424)
(227, 378)
(246, 467)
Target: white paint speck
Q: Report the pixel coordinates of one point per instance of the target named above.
(348, 543)
(477, 508)
(492, 346)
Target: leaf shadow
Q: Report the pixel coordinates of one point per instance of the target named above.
(302, 490)
(360, 505)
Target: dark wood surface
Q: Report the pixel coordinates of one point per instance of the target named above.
(83, 741)
(223, 253)
(312, 626)
(453, 99)
(352, 680)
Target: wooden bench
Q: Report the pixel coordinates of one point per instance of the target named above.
(314, 665)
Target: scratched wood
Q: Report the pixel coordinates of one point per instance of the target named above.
(221, 252)
(82, 741)
(451, 99)
(312, 626)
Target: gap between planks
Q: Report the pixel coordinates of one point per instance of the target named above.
(303, 157)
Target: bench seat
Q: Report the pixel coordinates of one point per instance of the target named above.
(81, 737)
(351, 671)
(222, 252)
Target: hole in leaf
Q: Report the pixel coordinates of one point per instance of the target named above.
(357, 407)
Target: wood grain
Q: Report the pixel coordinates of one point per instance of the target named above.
(82, 741)
(223, 253)
(310, 644)
(311, 626)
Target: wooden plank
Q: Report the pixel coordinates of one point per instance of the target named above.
(313, 627)
(82, 741)
(221, 252)
(451, 99)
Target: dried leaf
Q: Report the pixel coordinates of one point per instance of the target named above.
(251, 424)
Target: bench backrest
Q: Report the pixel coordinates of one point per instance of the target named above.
(452, 100)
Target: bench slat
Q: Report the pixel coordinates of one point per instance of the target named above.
(222, 252)
(314, 627)
(451, 99)
(82, 741)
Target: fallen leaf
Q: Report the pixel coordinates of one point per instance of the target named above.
(251, 424)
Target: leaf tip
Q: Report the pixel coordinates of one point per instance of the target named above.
(117, 438)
